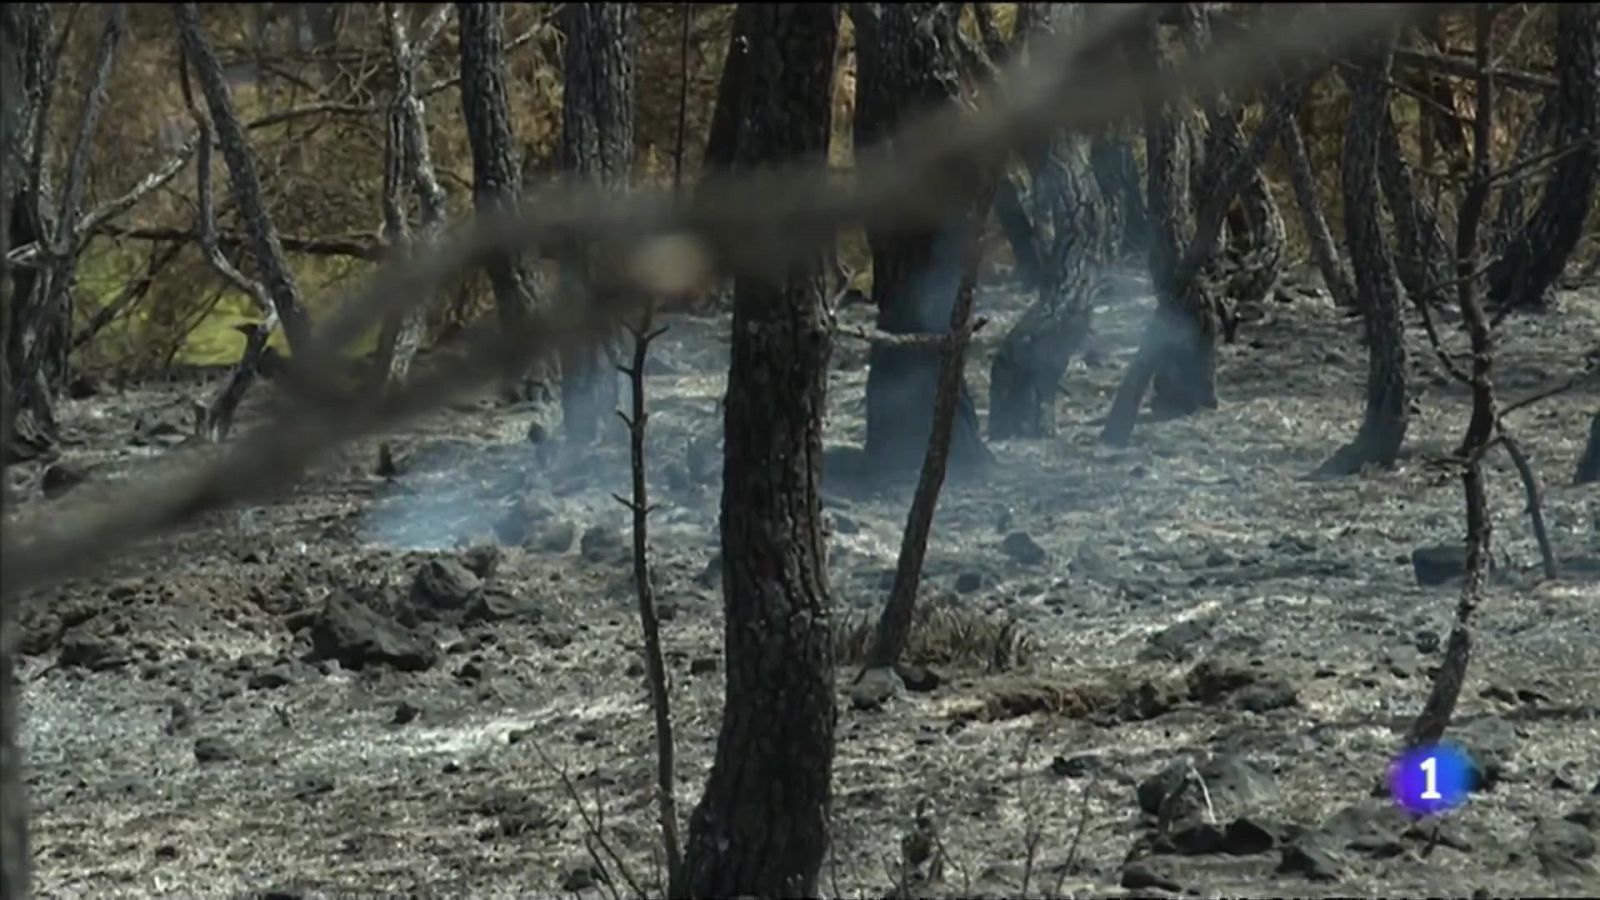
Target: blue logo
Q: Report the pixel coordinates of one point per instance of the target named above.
(1432, 779)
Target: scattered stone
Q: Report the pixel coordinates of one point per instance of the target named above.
(1076, 766)
(1563, 848)
(1308, 857)
(1426, 641)
(557, 537)
(1234, 786)
(1022, 548)
(93, 652)
(520, 520)
(1210, 680)
(967, 582)
(444, 584)
(918, 679)
(703, 665)
(356, 636)
(874, 688)
(1440, 563)
(213, 749)
(482, 560)
(273, 678)
(1175, 643)
(580, 875)
(1145, 701)
(62, 477)
(497, 605)
(1266, 696)
(1492, 743)
(599, 543)
(405, 713)
(1139, 876)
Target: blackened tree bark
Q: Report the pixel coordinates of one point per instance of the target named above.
(1422, 253)
(1589, 462)
(41, 328)
(761, 828)
(723, 139)
(907, 65)
(496, 175)
(243, 180)
(1071, 238)
(596, 146)
(407, 163)
(14, 853)
(1383, 425)
(1324, 251)
(1117, 172)
(1532, 261)
(276, 278)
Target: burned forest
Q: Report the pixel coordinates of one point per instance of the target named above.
(799, 450)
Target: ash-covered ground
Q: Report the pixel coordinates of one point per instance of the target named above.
(1193, 599)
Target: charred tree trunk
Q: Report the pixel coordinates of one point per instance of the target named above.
(596, 146)
(497, 178)
(761, 828)
(1117, 173)
(1072, 238)
(1529, 266)
(1324, 251)
(31, 415)
(1422, 253)
(1589, 462)
(276, 292)
(724, 137)
(15, 856)
(408, 162)
(1383, 426)
(906, 66)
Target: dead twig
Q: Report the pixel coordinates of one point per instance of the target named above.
(593, 826)
(649, 623)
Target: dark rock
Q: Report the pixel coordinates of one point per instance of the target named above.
(1145, 701)
(213, 749)
(62, 477)
(1586, 814)
(967, 582)
(470, 673)
(1175, 643)
(1426, 641)
(1492, 743)
(405, 713)
(918, 679)
(1248, 835)
(520, 520)
(1235, 787)
(1311, 858)
(356, 636)
(1211, 680)
(1140, 876)
(580, 876)
(268, 680)
(875, 687)
(843, 524)
(1022, 548)
(1563, 848)
(703, 665)
(444, 584)
(496, 605)
(1076, 766)
(482, 560)
(556, 537)
(1266, 696)
(93, 652)
(1370, 828)
(1440, 563)
(599, 544)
